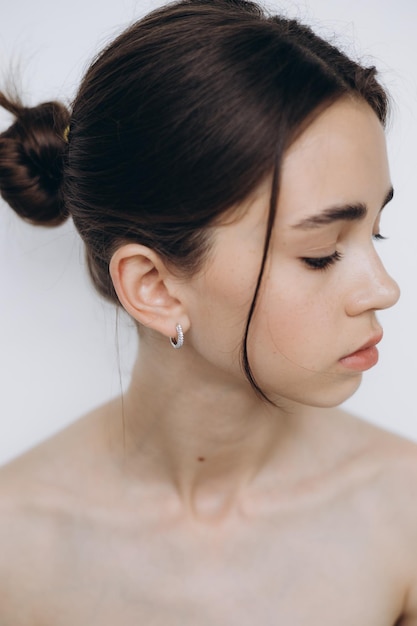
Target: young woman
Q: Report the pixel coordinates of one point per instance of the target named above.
(226, 170)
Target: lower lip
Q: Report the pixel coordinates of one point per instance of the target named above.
(361, 360)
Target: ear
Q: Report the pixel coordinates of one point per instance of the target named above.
(147, 289)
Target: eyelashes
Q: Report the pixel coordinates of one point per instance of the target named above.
(323, 262)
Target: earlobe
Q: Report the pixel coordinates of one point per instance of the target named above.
(146, 289)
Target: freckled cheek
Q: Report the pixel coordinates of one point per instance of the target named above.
(295, 328)
(221, 307)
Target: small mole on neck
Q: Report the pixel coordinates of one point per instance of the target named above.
(201, 459)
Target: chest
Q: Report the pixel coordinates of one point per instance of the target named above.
(272, 573)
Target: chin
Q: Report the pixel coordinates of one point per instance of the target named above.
(339, 393)
(327, 396)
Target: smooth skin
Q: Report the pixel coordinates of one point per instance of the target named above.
(195, 502)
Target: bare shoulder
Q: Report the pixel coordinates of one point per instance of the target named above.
(391, 458)
(382, 465)
(388, 463)
(399, 493)
(43, 494)
(65, 458)
(54, 471)
(23, 538)
(26, 538)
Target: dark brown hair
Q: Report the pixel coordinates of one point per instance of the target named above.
(175, 122)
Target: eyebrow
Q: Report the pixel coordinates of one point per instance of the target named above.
(347, 212)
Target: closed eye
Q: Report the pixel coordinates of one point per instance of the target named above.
(321, 262)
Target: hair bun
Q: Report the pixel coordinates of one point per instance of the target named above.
(32, 159)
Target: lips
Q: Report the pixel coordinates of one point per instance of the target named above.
(369, 344)
(364, 357)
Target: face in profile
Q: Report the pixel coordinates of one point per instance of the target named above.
(324, 281)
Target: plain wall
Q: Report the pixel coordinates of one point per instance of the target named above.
(62, 349)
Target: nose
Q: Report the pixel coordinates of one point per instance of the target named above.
(373, 288)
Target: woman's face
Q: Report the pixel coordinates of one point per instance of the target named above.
(323, 282)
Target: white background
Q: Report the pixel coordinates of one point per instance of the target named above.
(60, 351)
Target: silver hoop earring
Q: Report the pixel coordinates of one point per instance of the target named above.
(178, 342)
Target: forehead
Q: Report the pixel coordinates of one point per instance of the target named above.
(340, 158)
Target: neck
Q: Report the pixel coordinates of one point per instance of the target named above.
(207, 436)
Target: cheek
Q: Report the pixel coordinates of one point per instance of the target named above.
(297, 324)
(219, 310)
(293, 347)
